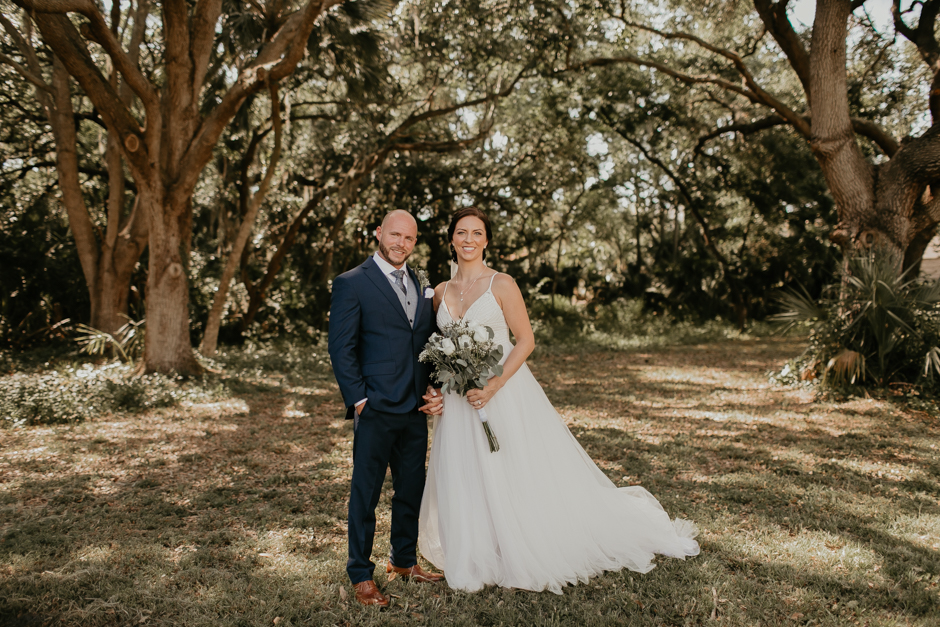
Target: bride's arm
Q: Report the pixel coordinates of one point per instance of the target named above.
(510, 300)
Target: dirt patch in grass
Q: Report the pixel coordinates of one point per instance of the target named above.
(233, 512)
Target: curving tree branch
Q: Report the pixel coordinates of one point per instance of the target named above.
(67, 44)
(665, 69)
(774, 17)
(866, 128)
(760, 95)
(923, 36)
(276, 60)
(416, 118)
(25, 73)
(103, 35)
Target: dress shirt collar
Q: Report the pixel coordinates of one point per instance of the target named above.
(386, 267)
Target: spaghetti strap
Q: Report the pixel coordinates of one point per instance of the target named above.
(490, 288)
(446, 283)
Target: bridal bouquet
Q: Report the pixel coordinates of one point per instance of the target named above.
(464, 358)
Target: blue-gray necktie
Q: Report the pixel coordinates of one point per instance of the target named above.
(399, 282)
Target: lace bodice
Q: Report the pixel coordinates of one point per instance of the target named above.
(484, 310)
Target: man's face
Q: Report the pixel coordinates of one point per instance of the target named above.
(397, 239)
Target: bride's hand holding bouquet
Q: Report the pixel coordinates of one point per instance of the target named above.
(466, 361)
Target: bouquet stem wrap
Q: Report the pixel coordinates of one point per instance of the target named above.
(490, 436)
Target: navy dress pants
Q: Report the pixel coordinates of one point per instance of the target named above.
(381, 441)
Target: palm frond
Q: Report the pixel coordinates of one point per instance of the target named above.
(797, 307)
(884, 326)
(96, 342)
(132, 335)
(932, 362)
(927, 293)
(126, 344)
(847, 366)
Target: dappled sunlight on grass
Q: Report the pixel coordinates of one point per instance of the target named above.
(233, 511)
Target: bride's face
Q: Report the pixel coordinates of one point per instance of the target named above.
(469, 238)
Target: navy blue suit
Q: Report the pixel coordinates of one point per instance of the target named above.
(374, 350)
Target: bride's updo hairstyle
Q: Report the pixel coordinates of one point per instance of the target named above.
(460, 215)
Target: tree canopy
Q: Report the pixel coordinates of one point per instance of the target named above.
(212, 165)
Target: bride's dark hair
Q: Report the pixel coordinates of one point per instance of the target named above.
(460, 215)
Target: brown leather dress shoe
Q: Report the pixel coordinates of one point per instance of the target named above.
(368, 593)
(415, 572)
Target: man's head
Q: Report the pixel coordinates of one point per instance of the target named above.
(397, 237)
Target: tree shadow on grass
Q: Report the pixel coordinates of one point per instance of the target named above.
(198, 503)
(238, 516)
(755, 491)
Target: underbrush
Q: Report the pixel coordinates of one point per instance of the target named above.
(624, 325)
(60, 386)
(877, 333)
(57, 384)
(80, 392)
(299, 360)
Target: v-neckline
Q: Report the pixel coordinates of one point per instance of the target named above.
(467, 310)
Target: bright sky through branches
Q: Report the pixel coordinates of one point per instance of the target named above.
(879, 10)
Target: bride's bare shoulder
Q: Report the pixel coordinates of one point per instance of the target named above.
(504, 285)
(501, 278)
(439, 294)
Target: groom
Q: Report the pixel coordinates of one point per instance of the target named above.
(380, 320)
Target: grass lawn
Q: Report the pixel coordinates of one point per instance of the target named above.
(232, 512)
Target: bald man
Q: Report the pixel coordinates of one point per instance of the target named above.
(380, 320)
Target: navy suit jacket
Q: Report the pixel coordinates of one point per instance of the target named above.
(373, 348)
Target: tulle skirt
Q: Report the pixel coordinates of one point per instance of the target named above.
(538, 514)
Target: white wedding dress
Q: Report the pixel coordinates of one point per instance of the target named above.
(537, 514)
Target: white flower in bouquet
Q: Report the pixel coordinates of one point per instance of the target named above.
(468, 367)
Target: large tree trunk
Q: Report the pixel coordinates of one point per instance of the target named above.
(124, 241)
(888, 207)
(109, 301)
(169, 140)
(167, 347)
(848, 174)
(115, 269)
(108, 268)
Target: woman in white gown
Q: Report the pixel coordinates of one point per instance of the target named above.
(537, 514)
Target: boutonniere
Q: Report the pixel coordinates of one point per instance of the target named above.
(425, 283)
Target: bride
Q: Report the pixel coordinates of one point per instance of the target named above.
(538, 514)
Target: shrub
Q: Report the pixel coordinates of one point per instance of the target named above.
(51, 398)
(300, 360)
(623, 324)
(562, 324)
(74, 394)
(883, 328)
